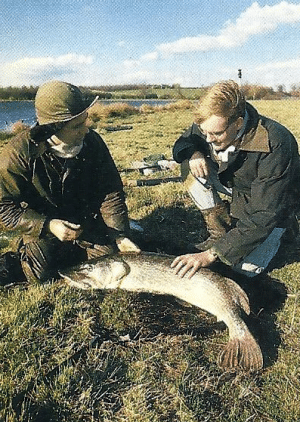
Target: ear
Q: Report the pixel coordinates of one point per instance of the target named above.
(239, 123)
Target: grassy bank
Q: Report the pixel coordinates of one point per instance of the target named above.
(70, 355)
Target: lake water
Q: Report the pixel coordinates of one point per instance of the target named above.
(12, 111)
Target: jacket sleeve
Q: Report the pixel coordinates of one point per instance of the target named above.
(190, 141)
(15, 215)
(265, 207)
(113, 208)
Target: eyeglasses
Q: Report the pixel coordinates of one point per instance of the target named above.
(219, 134)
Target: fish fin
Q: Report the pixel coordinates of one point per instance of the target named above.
(241, 353)
(239, 295)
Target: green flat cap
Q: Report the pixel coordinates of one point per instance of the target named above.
(58, 101)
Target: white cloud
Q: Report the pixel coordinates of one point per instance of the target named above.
(140, 76)
(149, 57)
(35, 70)
(188, 44)
(289, 64)
(131, 64)
(276, 73)
(253, 21)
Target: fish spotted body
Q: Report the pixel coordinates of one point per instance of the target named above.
(150, 272)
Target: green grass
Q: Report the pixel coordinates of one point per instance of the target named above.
(153, 359)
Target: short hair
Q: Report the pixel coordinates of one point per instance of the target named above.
(224, 99)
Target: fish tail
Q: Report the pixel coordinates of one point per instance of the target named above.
(241, 353)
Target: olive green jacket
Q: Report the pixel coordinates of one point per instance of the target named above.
(36, 186)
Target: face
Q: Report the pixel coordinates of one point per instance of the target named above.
(219, 132)
(73, 132)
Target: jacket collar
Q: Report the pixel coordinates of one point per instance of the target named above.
(38, 148)
(255, 138)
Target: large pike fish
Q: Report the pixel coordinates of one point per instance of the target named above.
(150, 272)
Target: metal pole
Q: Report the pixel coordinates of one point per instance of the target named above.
(240, 76)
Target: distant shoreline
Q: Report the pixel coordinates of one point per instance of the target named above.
(111, 100)
(11, 101)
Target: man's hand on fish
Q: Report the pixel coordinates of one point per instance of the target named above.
(126, 245)
(190, 263)
(64, 230)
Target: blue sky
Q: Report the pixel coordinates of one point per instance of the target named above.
(190, 42)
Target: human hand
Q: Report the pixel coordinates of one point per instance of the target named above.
(64, 230)
(198, 165)
(96, 251)
(192, 262)
(126, 245)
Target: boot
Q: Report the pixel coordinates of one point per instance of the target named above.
(218, 222)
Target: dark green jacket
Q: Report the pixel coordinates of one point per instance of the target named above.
(264, 175)
(36, 186)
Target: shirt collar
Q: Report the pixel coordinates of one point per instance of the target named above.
(64, 150)
(223, 155)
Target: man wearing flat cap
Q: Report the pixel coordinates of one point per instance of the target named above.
(61, 197)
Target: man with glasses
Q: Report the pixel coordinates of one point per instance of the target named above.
(249, 159)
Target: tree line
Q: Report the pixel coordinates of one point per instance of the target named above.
(13, 93)
(18, 93)
(252, 92)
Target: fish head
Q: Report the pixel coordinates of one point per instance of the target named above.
(99, 274)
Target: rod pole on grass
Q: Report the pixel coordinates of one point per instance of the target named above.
(151, 182)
